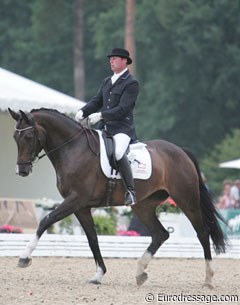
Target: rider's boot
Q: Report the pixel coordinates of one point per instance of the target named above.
(127, 177)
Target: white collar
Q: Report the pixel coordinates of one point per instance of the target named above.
(117, 75)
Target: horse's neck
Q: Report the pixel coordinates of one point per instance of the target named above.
(57, 130)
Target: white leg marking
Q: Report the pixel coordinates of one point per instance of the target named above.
(30, 247)
(98, 275)
(143, 262)
(209, 274)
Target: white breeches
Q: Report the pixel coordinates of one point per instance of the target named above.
(121, 144)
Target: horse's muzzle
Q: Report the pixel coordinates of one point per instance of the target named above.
(24, 170)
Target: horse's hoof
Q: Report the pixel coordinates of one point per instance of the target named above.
(24, 262)
(95, 282)
(207, 285)
(141, 278)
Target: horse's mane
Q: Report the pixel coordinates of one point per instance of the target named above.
(54, 111)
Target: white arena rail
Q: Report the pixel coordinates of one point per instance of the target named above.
(111, 246)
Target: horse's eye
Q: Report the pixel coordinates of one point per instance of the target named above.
(28, 137)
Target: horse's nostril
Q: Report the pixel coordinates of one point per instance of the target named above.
(23, 174)
(24, 169)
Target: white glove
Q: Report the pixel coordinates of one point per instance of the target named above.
(79, 116)
(94, 118)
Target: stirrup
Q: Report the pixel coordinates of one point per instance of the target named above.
(130, 198)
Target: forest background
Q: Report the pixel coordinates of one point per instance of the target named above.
(186, 55)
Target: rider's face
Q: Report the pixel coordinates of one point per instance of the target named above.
(118, 64)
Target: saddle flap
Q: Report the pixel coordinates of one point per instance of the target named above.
(110, 148)
(138, 156)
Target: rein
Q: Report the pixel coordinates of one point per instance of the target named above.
(72, 139)
(88, 139)
(60, 146)
(88, 132)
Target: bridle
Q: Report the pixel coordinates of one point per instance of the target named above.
(23, 129)
(35, 156)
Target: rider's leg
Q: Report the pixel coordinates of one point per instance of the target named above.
(121, 144)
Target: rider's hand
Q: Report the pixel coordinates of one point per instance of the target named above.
(79, 116)
(94, 118)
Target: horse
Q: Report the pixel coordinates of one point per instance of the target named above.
(74, 153)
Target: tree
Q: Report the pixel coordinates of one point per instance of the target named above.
(227, 150)
(190, 84)
(51, 58)
(78, 67)
(36, 41)
(130, 32)
(188, 59)
(104, 29)
(15, 27)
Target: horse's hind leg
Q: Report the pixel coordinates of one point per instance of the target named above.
(66, 208)
(147, 215)
(202, 231)
(85, 218)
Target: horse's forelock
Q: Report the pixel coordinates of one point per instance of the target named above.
(26, 117)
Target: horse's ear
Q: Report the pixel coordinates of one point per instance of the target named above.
(25, 117)
(14, 115)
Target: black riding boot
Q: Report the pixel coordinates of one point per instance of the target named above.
(127, 177)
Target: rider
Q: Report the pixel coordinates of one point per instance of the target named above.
(116, 99)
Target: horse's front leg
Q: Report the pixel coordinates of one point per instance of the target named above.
(85, 218)
(66, 208)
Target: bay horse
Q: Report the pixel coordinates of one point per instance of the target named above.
(74, 153)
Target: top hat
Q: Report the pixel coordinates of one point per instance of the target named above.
(121, 53)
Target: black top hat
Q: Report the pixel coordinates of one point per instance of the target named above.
(121, 53)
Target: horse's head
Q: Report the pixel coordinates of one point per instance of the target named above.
(27, 140)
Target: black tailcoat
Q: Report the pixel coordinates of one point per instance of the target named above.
(116, 103)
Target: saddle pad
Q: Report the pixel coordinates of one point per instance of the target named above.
(138, 156)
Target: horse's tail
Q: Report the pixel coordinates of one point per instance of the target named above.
(210, 214)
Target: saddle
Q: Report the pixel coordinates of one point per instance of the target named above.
(137, 153)
(110, 149)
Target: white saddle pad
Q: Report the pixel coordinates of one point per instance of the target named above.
(138, 156)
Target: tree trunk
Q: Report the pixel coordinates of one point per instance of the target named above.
(130, 32)
(79, 73)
